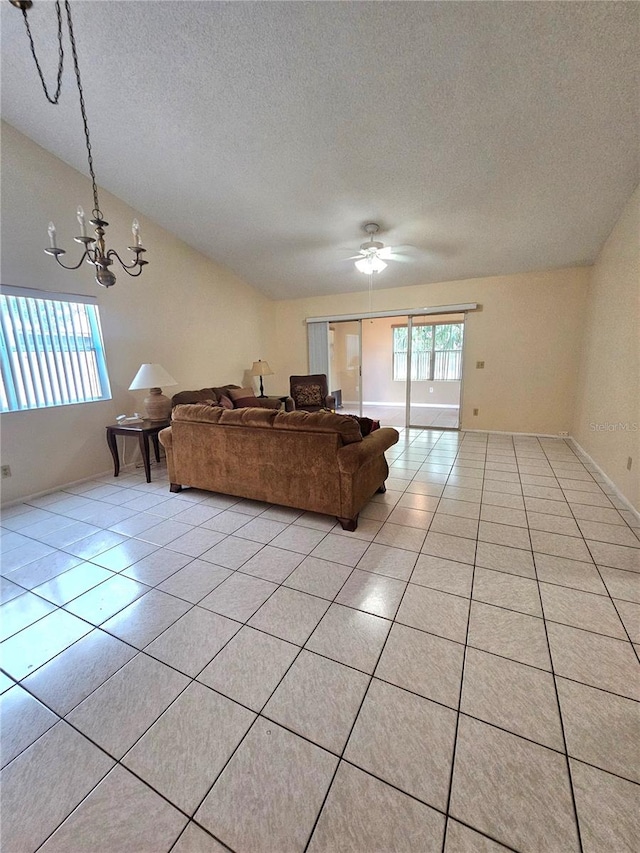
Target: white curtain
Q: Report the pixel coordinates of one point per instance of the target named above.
(318, 335)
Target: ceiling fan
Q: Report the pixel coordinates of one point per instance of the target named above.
(373, 254)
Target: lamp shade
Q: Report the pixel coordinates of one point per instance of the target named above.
(370, 264)
(261, 368)
(151, 376)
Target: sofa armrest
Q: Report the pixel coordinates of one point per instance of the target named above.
(289, 405)
(353, 456)
(330, 402)
(166, 438)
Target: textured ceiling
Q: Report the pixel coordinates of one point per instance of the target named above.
(493, 137)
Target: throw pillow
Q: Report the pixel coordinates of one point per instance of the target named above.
(367, 425)
(308, 395)
(225, 402)
(242, 397)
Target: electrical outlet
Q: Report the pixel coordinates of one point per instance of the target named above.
(479, 365)
(475, 411)
(629, 463)
(6, 471)
(563, 434)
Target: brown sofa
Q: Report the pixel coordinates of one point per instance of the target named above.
(315, 461)
(225, 394)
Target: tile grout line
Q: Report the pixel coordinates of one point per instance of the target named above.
(448, 816)
(561, 718)
(366, 692)
(239, 569)
(611, 599)
(100, 627)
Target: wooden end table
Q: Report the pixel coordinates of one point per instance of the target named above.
(281, 397)
(144, 429)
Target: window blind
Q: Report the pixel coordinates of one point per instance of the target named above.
(51, 350)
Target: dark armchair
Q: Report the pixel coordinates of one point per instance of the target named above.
(311, 393)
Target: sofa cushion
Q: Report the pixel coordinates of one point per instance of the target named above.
(223, 390)
(242, 397)
(205, 395)
(228, 417)
(344, 426)
(347, 428)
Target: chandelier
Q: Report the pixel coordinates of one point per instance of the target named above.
(95, 248)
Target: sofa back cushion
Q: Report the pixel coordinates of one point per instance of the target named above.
(212, 396)
(345, 427)
(242, 397)
(205, 395)
(227, 417)
(327, 422)
(223, 390)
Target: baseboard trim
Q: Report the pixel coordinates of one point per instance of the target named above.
(353, 404)
(580, 451)
(512, 432)
(130, 466)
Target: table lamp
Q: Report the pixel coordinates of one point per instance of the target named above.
(152, 376)
(261, 368)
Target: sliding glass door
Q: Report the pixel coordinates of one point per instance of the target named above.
(345, 365)
(434, 371)
(401, 370)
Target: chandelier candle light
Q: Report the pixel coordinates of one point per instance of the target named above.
(152, 376)
(261, 368)
(95, 249)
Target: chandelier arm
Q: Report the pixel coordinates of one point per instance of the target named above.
(96, 204)
(77, 266)
(137, 263)
(135, 274)
(56, 97)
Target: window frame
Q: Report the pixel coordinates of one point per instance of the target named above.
(432, 352)
(52, 350)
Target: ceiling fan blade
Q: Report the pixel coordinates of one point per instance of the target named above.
(405, 247)
(385, 252)
(355, 257)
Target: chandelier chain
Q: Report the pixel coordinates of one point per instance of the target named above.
(96, 204)
(56, 97)
(95, 249)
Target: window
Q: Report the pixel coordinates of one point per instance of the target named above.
(436, 352)
(51, 350)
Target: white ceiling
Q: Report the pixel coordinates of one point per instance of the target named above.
(494, 137)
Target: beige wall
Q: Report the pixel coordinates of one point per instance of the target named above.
(206, 325)
(527, 331)
(197, 319)
(607, 416)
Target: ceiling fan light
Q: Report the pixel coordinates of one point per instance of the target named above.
(370, 264)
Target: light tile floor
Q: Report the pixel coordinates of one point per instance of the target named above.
(447, 417)
(197, 673)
